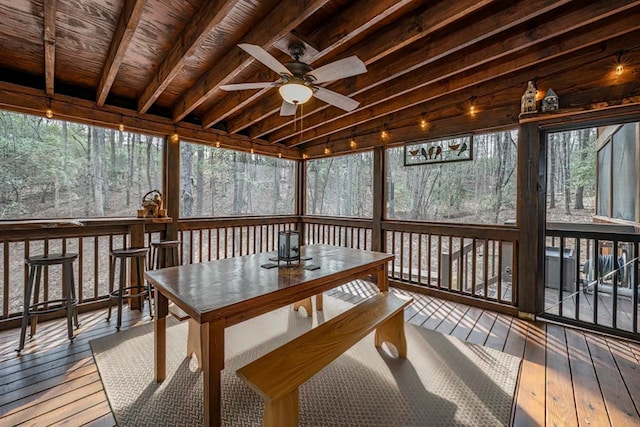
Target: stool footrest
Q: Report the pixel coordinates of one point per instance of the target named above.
(114, 294)
(33, 309)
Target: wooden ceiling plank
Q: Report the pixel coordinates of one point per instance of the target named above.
(494, 71)
(49, 45)
(425, 52)
(282, 19)
(577, 19)
(210, 15)
(358, 18)
(393, 38)
(127, 25)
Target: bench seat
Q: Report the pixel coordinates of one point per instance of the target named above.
(277, 375)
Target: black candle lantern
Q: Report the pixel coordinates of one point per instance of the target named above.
(288, 246)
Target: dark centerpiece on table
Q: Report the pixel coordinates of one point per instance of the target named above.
(288, 247)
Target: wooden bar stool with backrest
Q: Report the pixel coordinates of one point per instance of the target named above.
(32, 291)
(137, 257)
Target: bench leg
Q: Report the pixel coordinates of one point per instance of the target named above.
(306, 303)
(319, 302)
(392, 331)
(282, 412)
(194, 341)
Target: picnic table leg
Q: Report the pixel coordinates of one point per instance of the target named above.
(306, 304)
(194, 341)
(282, 412)
(392, 331)
(212, 366)
(382, 277)
(160, 336)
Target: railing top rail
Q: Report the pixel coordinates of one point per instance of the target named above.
(593, 231)
(481, 231)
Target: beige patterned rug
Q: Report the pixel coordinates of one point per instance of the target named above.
(444, 381)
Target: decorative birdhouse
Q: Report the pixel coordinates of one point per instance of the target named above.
(550, 101)
(528, 104)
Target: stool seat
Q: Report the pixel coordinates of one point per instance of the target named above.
(130, 252)
(166, 244)
(51, 259)
(36, 307)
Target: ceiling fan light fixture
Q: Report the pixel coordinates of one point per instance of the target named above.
(295, 93)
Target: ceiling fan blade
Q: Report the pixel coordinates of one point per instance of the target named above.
(346, 67)
(288, 109)
(265, 57)
(245, 86)
(336, 99)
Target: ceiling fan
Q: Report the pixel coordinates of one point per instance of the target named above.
(297, 82)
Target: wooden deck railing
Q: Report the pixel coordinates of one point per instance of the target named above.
(477, 262)
(594, 283)
(206, 240)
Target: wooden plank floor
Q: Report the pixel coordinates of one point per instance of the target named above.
(568, 377)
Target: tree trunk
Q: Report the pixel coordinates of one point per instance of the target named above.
(199, 180)
(186, 183)
(131, 140)
(566, 173)
(98, 196)
(583, 144)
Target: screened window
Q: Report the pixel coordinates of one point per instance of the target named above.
(340, 186)
(604, 180)
(220, 182)
(624, 179)
(56, 169)
(481, 190)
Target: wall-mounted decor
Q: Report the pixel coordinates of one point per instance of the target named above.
(528, 102)
(550, 101)
(456, 149)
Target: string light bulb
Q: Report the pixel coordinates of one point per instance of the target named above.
(252, 150)
(619, 65)
(423, 121)
(121, 127)
(218, 143)
(472, 106)
(353, 144)
(49, 111)
(327, 150)
(384, 134)
(175, 137)
(305, 156)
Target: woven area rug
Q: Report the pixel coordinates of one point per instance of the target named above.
(444, 381)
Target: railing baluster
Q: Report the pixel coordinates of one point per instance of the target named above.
(420, 235)
(485, 269)
(474, 267)
(614, 300)
(635, 288)
(577, 284)
(410, 255)
(5, 280)
(596, 276)
(80, 270)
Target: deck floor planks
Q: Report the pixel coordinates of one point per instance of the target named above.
(560, 410)
(531, 388)
(620, 407)
(505, 333)
(590, 406)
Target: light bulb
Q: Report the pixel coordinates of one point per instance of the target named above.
(327, 150)
(279, 155)
(252, 150)
(121, 127)
(384, 135)
(619, 69)
(353, 144)
(49, 113)
(175, 137)
(472, 110)
(217, 144)
(423, 123)
(305, 156)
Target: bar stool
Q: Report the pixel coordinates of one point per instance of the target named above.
(164, 253)
(69, 303)
(137, 257)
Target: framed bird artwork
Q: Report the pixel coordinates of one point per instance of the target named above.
(454, 149)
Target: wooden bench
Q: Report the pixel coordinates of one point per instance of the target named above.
(277, 375)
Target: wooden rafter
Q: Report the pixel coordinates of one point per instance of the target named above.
(405, 92)
(409, 30)
(205, 20)
(436, 48)
(359, 17)
(127, 24)
(284, 18)
(49, 44)
(496, 92)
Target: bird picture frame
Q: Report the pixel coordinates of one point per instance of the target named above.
(455, 149)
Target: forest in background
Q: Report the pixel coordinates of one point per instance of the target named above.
(57, 169)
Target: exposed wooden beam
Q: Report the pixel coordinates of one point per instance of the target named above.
(358, 18)
(286, 16)
(585, 83)
(127, 24)
(33, 101)
(49, 45)
(423, 53)
(210, 15)
(393, 38)
(405, 92)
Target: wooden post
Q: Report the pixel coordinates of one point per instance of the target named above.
(172, 186)
(377, 237)
(530, 220)
(301, 198)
